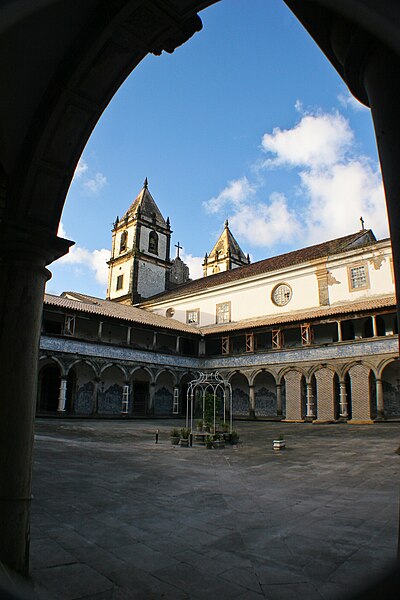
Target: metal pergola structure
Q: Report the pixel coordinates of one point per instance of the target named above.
(213, 383)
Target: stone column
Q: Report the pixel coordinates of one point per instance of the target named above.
(152, 387)
(339, 331)
(128, 336)
(154, 344)
(360, 395)
(177, 346)
(278, 400)
(96, 395)
(293, 396)
(380, 408)
(374, 326)
(252, 402)
(343, 400)
(100, 331)
(310, 402)
(62, 396)
(24, 254)
(325, 395)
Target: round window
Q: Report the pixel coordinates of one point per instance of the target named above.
(170, 312)
(281, 294)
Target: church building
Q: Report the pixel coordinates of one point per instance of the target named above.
(309, 335)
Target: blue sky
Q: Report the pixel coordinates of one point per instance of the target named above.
(247, 121)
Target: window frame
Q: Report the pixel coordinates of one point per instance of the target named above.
(228, 311)
(365, 286)
(153, 238)
(119, 284)
(195, 311)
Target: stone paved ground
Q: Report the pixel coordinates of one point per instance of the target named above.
(116, 517)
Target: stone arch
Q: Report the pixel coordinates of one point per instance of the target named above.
(241, 402)
(265, 394)
(116, 365)
(49, 381)
(390, 391)
(142, 368)
(82, 397)
(85, 361)
(164, 385)
(53, 360)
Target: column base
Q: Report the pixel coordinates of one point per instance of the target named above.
(292, 421)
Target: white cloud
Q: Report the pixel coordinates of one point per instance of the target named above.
(337, 185)
(316, 141)
(266, 224)
(194, 263)
(347, 100)
(95, 261)
(234, 194)
(81, 168)
(338, 198)
(95, 183)
(89, 181)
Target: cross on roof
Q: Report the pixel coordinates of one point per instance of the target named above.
(178, 247)
(362, 223)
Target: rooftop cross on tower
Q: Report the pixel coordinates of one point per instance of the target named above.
(178, 247)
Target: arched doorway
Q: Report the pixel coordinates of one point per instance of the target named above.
(142, 399)
(82, 399)
(164, 394)
(391, 389)
(110, 393)
(265, 395)
(240, 395)
(49, 388)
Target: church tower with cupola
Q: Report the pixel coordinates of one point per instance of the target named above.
(225, 255)
(140, 264)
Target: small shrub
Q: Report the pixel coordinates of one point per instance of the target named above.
(185, 432)
(175, 432)
(209, 442)
(234, 437)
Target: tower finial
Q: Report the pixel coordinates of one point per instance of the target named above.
(146, 184)
(226, 224)
(362, 224)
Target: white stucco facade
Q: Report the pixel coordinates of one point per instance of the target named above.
(252, 297)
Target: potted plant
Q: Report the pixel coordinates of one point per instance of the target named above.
(218, 441)
(185, 433)
(234, 438)
(209, 442)
(279, 443)
(175, 436)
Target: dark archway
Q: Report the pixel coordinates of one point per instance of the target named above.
(83, 52)
(49, 388)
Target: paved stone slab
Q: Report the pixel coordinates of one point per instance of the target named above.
(116, 517)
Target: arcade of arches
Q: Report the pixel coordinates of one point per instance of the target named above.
(352, 391)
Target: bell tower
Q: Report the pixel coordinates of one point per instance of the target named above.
(225, 255)
(140, 264)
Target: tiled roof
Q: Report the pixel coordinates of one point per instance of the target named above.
(275, 263)
(305, 315)
(114, 310)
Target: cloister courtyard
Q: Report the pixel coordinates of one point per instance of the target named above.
(116, 516)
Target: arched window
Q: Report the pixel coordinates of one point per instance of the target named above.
(153, 242)
(124, 238)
